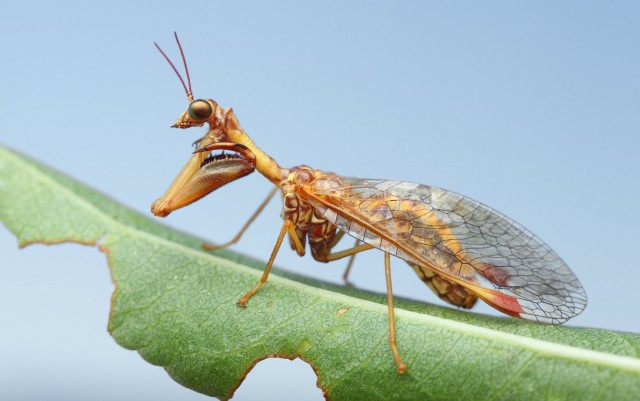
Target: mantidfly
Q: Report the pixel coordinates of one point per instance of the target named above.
(462, 249)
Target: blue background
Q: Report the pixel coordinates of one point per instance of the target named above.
(533, 109)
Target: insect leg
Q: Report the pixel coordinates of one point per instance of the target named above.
(287, 227)
(392, 325)
(347, 252)
(347, 270)
(325, 254)
(351, 252)
(345, 275)
(235, 239)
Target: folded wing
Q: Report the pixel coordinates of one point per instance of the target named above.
(457, 238)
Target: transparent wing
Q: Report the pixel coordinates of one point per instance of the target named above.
(456, 237)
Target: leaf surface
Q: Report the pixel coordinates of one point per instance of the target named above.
(175, 305)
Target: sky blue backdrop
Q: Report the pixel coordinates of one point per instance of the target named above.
(532, 109)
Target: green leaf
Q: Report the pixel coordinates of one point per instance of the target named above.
(175, 305)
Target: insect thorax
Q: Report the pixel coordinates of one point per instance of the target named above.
(309, 222)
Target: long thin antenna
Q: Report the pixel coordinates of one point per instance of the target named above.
(187, 91)
(184, 61)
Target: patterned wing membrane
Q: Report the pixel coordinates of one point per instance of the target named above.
(461, 239)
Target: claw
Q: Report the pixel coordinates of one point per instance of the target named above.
(204, 174)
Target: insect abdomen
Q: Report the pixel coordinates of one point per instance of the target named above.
(447, 290)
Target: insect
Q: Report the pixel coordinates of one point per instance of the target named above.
(462, 249)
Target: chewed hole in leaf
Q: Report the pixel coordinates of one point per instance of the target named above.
(295, 380)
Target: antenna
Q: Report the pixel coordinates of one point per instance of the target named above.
(184, 60)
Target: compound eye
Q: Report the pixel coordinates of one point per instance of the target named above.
(200, 110)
